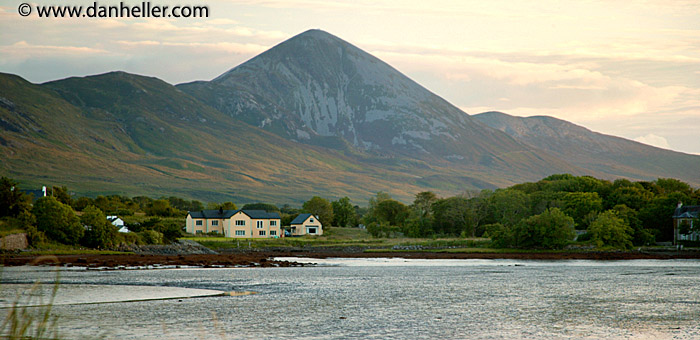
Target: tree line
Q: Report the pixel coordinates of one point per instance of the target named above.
(545, 214)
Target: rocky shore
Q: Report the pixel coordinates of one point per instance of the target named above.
(195, 255)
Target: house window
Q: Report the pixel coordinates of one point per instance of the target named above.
(273, 232)
(261, 232)
(198, 222)
(240, 222)
(260, 224)
(214, 222)
(273, 223)
(240, 232)
(311, 220)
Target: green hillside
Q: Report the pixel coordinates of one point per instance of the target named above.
(133, 135)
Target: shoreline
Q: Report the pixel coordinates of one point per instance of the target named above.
(264, 258)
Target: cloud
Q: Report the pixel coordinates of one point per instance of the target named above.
(654, 140)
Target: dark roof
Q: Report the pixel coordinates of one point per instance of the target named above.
(36, 194)
(224, 214)
(300, 219)
(687, 211)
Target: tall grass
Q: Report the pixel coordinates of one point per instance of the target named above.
(29, 316)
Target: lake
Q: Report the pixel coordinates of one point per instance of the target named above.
(377, 299)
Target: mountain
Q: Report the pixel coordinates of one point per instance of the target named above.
(128, 134)
(317, 89)
(313, 115)
(614, 156)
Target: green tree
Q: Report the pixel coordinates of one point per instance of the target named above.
(99, 233)
(392, 212)
(551, 229)
(151, 237)
(162, 208)
(579, 205)
(670, 185)
(509, 206)
(61, 194)
(261, 206)
(57, 221)
(343, 213)
(170, 229)
(453, 216)
(12, 200)
(611, 231)
(641, 236)
(321, 208)
(423, 201)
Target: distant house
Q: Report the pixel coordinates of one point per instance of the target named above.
(118, 222)
(234, 223)
(36, 194)
(306, 224)
(685, 223)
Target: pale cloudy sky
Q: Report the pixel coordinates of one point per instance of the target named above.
(622, 67)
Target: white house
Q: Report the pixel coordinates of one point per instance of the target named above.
(118, 222)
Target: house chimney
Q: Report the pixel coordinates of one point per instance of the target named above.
(221, 210)
(43, 190)
(680, 204)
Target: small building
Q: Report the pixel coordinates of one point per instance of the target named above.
(306, 224)
(35, 194)
(684, 223)
(234, 223)
(118, 222)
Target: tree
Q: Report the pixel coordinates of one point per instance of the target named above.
(343, 212)
(99, 233)
(12, 200)
(62, 195)
(392, 212)
(579, 205)
(423, 201)
(610, 230)
(262, 206)
(321, 208)
(551, 229)
(641, 236)
(162, 208)
(453, 216)
(57, 220)
(509, 206)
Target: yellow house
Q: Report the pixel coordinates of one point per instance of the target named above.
(306, 224)
(234, 223)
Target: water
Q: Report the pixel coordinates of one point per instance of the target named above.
(386, 299)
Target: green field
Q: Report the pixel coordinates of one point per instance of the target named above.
(342, 238)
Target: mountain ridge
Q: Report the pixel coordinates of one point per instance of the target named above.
(594, 150)
(237, 137)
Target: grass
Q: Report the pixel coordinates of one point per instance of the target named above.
(338, 238)
(30, 318)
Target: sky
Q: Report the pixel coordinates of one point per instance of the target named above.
(621, 67)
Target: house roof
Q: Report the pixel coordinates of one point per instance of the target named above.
(225, 214)
(687, 211)
(300, 219)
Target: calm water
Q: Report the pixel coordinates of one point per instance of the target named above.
(382, 299)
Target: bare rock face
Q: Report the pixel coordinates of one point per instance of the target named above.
(318, 89)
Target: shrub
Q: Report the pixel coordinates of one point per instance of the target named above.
(611, 231)
(151, 237)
